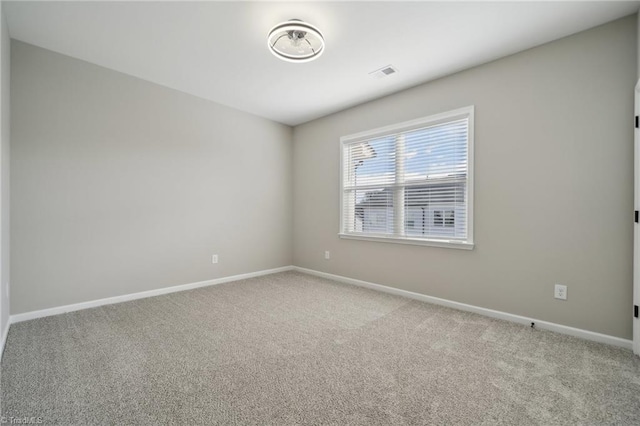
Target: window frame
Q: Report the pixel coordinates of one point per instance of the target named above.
(406, 126)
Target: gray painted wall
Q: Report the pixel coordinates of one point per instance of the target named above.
(120, 185)
(553, 185)
(5, 132)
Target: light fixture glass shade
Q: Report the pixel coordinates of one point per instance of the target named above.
(295, 41)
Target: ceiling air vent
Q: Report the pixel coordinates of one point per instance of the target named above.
(384, 72)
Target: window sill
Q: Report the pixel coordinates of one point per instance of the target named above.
(461, 245)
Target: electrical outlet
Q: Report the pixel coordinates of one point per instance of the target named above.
(214, 258)
(327, 255)
(560, 292)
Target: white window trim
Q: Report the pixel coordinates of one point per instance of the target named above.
(431, 120)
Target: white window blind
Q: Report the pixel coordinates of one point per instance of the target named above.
(410, 182)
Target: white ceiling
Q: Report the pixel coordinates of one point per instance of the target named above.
(218, 50)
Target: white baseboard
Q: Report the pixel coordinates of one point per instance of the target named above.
(545, 325)
(5, 333)
(576, 332)
(150, 293)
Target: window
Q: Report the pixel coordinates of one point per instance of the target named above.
(411, 182)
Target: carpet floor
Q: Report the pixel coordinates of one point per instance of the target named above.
(291, 348)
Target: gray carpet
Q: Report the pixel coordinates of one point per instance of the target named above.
(291, 348)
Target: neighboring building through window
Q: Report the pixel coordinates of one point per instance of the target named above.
(410, 182)
(444, 218)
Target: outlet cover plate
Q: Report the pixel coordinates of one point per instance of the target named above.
(560, 292)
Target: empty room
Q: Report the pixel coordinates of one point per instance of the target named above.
(306, 213)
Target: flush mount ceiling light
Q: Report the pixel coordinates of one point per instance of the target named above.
(295, 41)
